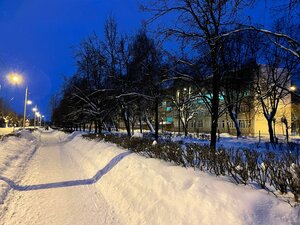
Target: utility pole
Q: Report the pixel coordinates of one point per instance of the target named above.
(25, 106)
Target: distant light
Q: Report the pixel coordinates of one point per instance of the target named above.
(293, 88)
(29, 102)
(15, 78)
(34, 109)
(43, 116)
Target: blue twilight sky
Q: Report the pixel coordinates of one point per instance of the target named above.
(36, 39)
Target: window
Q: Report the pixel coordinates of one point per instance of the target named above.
(244, 109)
(221, 124)
(200, 124)
(244, 124)
(170, 119)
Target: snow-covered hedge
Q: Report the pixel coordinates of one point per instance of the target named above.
(279, 170)
(168, 151)
(276, 170)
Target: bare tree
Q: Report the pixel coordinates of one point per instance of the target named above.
(239, 63)
(184, 102)
(201, 23)
(272, 82)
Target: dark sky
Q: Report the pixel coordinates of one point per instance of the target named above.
(36, 39)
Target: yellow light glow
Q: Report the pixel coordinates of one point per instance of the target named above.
(15, 78)
(293, 88)
(29, 102)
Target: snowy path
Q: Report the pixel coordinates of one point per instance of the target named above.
(44, 197)
(70, 180)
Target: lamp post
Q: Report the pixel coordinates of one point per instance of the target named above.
(35, 112)
(17, 79)
(38, 117)
(43, 117)
(25, 105)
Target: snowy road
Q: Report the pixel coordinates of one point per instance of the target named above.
(70, 180)
(56, 190)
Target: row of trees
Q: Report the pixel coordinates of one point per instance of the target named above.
(7, 116)
(128, 77)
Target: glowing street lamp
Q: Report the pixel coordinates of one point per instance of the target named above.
(293, 88)
(15, 78)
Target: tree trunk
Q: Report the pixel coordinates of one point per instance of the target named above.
(179, 121)
(216, 83)
(271, 133)
(186, 130)
(126, 122)
(90, 127)
(141, 126)
(233, 117)
(156, 119)
(132, 128)
(96, 126)
(149, 124)
(99, 126)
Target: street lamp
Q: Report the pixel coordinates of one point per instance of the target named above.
(14, 78)
(43, 117)
(17, 79)
(293, 88)
(38, 114)
(35, 109)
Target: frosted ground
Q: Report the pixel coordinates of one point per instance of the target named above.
(54, 178)
(4, 131)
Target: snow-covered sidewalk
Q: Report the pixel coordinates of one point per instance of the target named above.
(71, 180)
(4, 131)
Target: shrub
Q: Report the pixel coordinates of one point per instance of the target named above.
(282, 170)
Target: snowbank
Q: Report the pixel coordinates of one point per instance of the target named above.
(149, 191)
(4, 131)
(14, 155)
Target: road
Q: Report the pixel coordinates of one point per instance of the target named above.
(56, 190)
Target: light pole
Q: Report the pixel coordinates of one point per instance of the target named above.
(25, 105)
(17, 79)
(35, 112)
(43, 117)
(38, 117)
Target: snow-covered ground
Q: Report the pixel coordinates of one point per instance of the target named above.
(14, 156)
(4, 131)
(70, 180)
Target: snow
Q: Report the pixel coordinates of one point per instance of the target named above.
(230, 141)
(137, 135)
(4, 131)
(14, 155)
(70, 180)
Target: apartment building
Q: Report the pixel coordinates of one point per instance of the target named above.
(251, 119)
